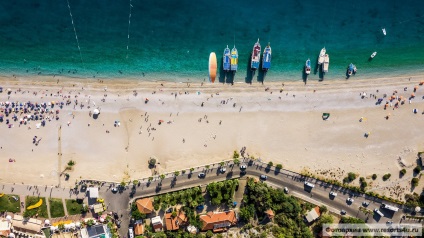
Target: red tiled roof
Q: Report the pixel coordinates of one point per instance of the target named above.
(218, 221)
(270, 213)
(172, 224)
(139, 229)
(145, 205)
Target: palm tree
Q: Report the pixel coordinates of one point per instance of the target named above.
(176, 173)
(162, 176)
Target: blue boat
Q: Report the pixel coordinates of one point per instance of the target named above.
(256, 56)
(308, 67)
(226, 60)
(234, 59)
(351, 69)
(266, 58)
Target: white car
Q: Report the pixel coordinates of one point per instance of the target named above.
(286, 190)
(333, 194)
(350, 200)
(222, 169)
(243, 166)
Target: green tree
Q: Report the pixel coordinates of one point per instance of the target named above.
(236, 155)
(209, 234)
(270, 163)
(323, 209)
(221, 163)
(236, 161)
(183, 171)
(135, 182)
(123, 184)
(162, 176)
(191, 170)
(247, 212)
(207, 166)
(417, 169)
(279, 166)
(176, 173)
(150, 179)
(374, 176)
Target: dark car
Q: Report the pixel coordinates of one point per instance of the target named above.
(201, 175)
(118, 223)
(343, 212)
(115, 216)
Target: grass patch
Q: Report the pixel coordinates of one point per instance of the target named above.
(56, 207)
(8, 203)
(41, 211)
(73, 206)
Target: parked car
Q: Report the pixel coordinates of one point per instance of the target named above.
(201, 175)
(343, 212)
(243, 166)
(115, 216)
(264, 177)
(349, 200)
(118, 223)
(286, 190)
(389, 222)
(365, 204)
(333, 194)
(222, 169)
(114, 190)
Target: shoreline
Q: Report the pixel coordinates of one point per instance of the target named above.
(280, 126)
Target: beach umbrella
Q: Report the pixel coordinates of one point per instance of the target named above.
(47, 222)
(9, 217)
(78, 224)
(417, 209)
(96, 111)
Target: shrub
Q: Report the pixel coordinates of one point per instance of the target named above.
(414, 182)
(176, 173)
(71, 163)
(386, 176)
(374, 176)
(236, 155)
(279, 166)
(417, 169)
(270, 163)
(152, 161)
(236, 161)
(135, 182)
(183, 171)
(403, 172)
(350, 177)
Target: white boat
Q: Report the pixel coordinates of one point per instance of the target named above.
(384, 31)
(325, 63)
(373, 54)
(321, 56)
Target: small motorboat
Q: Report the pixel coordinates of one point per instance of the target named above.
(373, 54)
(308, 67)
(384, 31)
(350, 70)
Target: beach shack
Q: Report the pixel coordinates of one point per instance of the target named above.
(312, 215)
(93, 192)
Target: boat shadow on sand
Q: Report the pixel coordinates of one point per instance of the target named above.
(304, 75)
(249, 72)
(225, 76)
(318, 70)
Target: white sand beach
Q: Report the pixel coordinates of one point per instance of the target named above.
(283, 127)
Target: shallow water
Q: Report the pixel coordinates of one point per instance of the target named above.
(171, 40)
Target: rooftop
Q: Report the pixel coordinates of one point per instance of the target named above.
(313, 214)
(218, 221)
(173, 223)
(145, 205)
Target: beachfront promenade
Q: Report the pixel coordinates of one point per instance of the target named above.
(120, 201)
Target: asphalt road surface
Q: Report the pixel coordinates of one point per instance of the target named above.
(319, 194)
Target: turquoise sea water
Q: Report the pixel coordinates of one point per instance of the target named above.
(171, 40)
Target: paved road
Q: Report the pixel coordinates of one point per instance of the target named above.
(120, 201)
(294, 182)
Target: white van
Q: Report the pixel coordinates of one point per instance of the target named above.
(378, 212)
(130, 233)
(309, 184)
